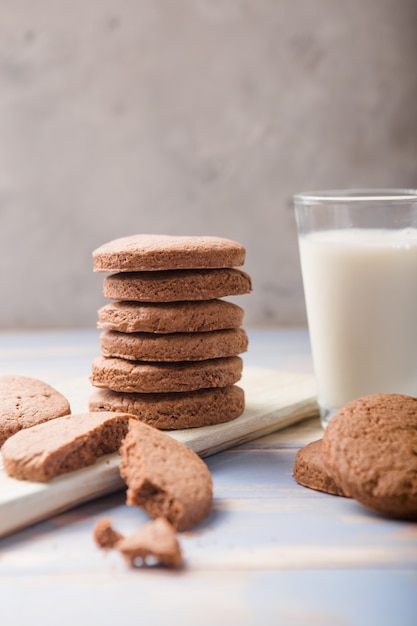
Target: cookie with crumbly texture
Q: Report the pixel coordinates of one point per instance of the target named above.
(105, 535)
(141, 377)
(155, 541)
(26, 401)
(369, 448)
(166, 411)
(164, 477)
(174, 346)
(63, 444)
(150, 252)
(309, 470)
(176, 285)
(170, 317)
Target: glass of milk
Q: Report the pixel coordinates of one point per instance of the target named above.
(358, 253)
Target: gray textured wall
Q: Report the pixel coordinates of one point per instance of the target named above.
(189, 117)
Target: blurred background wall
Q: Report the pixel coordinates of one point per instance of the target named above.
(189, 117)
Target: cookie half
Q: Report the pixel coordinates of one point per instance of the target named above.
(370, 450)
(26, 401)
(309, 470)
(141, 377)
(203, 407)
(63, 445)
(176, 285)
(174, 346)
(143, 252)
(170, 317)
(165, 477)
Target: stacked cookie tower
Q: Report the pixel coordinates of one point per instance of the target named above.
(170, 344)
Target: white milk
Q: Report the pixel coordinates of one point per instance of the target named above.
(361, 295)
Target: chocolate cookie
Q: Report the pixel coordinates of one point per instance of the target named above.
(141, 377)
(26, 401)
(64, 444)
(165, 477)
(170, 317)
(137, 253)
(370, 450)
(173, 346)
(309, 470)
(174, 410)
(176, 285)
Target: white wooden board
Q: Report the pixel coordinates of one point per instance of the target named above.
(274, 399)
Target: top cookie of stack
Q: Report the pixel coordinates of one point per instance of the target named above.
(170, 343)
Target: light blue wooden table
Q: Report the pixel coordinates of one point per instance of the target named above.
(271, 553)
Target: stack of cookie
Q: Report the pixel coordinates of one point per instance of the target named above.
(170, 344)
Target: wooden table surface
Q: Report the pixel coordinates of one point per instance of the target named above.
(271, 552)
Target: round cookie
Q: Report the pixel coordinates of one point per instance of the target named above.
(141, 377)
(176, 285)
(309, 470)
(165, 477)
(143, 252)
(369, 448)
(174, 346)
(170, 317)
(26, 401)
(203, 407)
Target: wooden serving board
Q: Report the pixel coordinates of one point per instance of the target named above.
(274, 399)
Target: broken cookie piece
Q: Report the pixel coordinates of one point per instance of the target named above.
(155, 543)
(164, 477)
(63, 444)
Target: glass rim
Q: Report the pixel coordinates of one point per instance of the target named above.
(357, 195)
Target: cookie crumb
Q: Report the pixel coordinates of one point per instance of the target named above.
(105, 536)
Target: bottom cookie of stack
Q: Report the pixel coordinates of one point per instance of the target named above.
(170, 395)
(175, 410)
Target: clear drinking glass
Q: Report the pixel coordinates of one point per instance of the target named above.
(358, 253)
